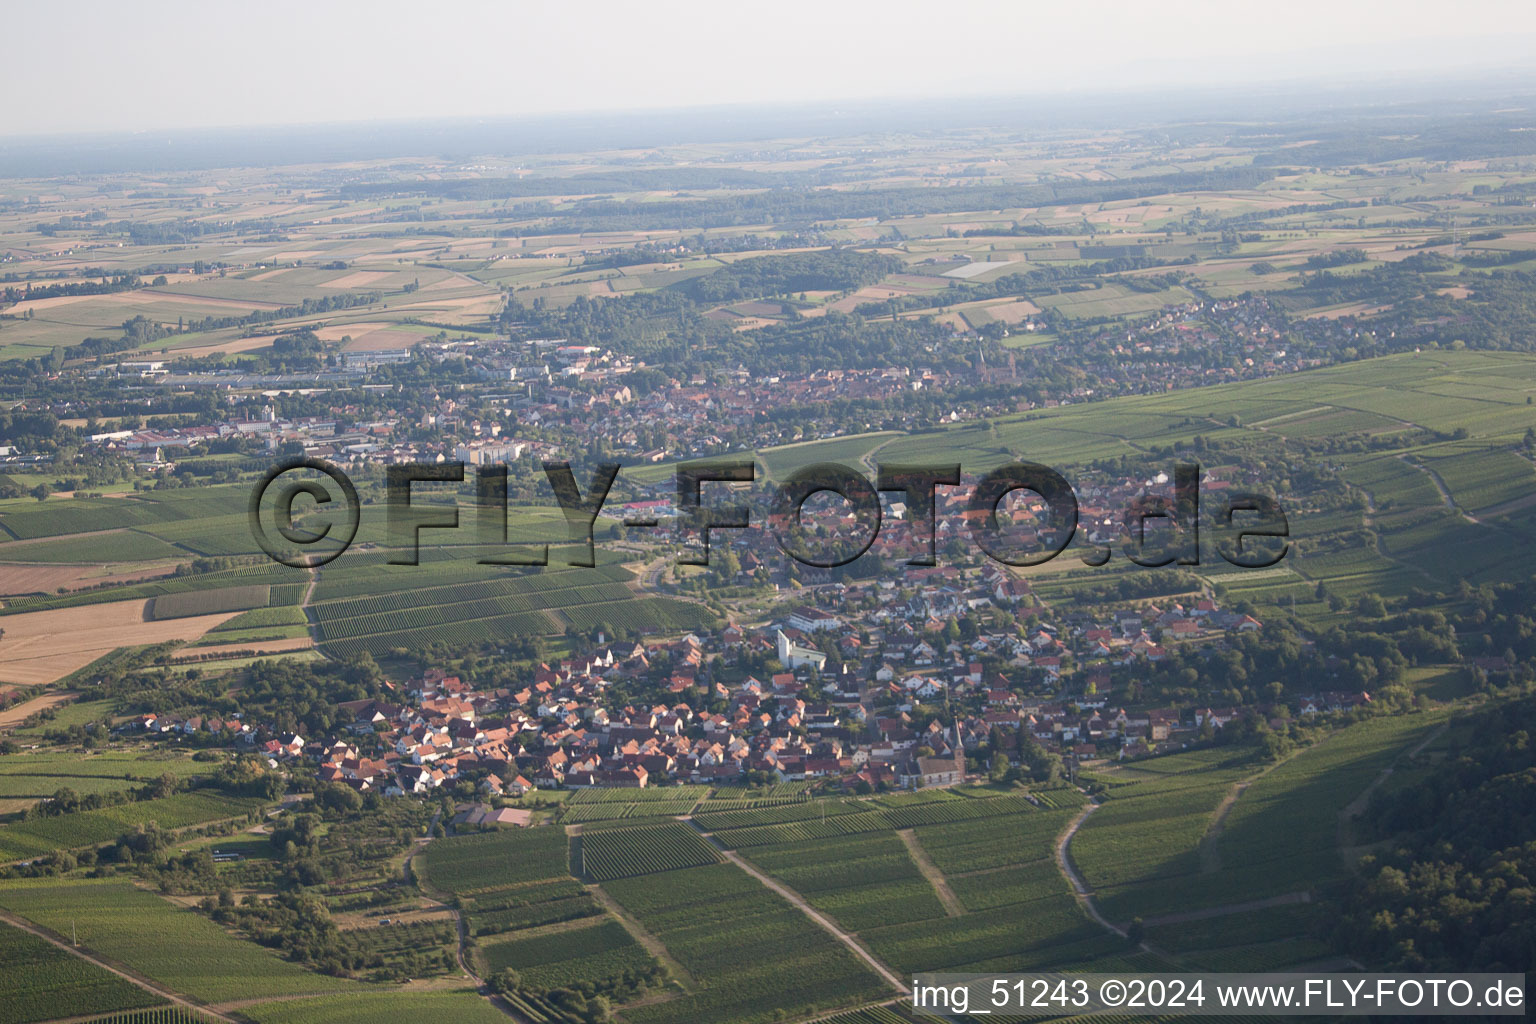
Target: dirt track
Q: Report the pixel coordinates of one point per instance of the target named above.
(825, 922)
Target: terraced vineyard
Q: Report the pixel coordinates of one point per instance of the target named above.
(740, 942)
(42, 981)
(129, 925)
(644, 850)
(494, 860)
(85, 828)
(862, 882)
(368, 608)
(805, 822)
(601, 951)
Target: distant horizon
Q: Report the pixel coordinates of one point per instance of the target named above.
(452, 138)
(1511, 77)
(202, 68)
(1376, 86)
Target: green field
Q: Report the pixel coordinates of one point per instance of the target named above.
(42, 981)
(645, 850)
(210, 602)
(862, 881)
(739, 942)
(565, 957)
(494, 860)
(373, 607)
(1280, 835)
(130, 925)
(367, 1007)
(87, 828)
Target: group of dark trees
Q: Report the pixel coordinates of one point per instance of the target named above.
(1455, 889)
(838, 270)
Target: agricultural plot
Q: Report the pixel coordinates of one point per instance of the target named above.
(1482, 479)
(267, 573)
(742, 798)
(87, 828)
(799, 831)
(779, 462)
(1019, 838)
(550, 909)
(598, 952)
(866, 881)
(263, 618)
(868, 1015)
(453, 599)
(494, 860)
(1289, 819)
(1152, 829)
(711, 820)
(866, 816)
(1229, 930)
(942, 812)
(123, 546)
(652, 795)
(1111, 300)
(1059, 798)
(214, 535)
(210, 602)
(645, 850)
(613, 805)
(416, 948)
(58, 517)
(42, 982)
(114, 764)
(39, 786)
(739, 941)
(1047, 932)
(1010, 886)
(1280, 836)
(369, 1007)
(129, 925)
(161, 1015)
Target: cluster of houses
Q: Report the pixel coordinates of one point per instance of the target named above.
(558, 732)
(861, 718)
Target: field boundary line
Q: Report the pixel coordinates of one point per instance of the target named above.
(931, 872)
(652, 944)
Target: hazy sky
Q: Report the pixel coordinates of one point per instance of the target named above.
(95, 65)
